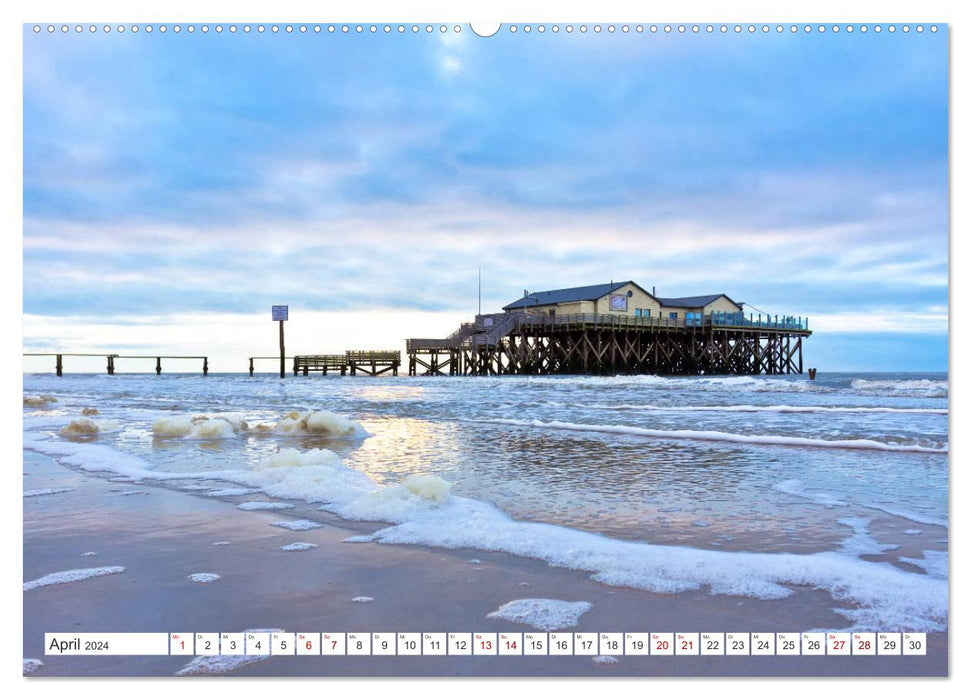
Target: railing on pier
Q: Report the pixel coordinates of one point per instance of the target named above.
(319, 363)
(264, 357)
(111, 357)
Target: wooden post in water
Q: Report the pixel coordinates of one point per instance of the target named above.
(251, 366)
(59, 366)
(205, 366)
(158, 365)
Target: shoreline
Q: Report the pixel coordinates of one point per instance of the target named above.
(164, 535)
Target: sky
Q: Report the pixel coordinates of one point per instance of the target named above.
(178, 185)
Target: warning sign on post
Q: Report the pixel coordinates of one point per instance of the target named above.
(280, 313)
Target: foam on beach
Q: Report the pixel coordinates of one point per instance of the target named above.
(264, 505)
(542, 613)
(297, 525)
(362, 599)
(88, 411)
(71, 576)
(717, 436)
(232, 492)
(934, 562)
(298, 547)
(794, 487)
(203, 577)
(32, 666)
(34, 493)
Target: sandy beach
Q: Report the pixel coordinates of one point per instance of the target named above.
(161, 536)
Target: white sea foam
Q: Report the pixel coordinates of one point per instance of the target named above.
(748, 408)
(89, 554)
(297, 525)
(935, 563)
(220, 544)
(264, 505)
(298, 547)
(913, 532)
(861, 541)
(71, 576)
(542, 613)
(39, 401)
(322, 423)
(34, 493)
(219, 665)
(232, 492)
(362, 599)
(85, 427)
(32, 666)
(203, 577)
(608, 660)
(717, 436)
(133, 493)
(198, 428)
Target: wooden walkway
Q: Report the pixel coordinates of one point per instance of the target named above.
(369, 362)
(111, 357)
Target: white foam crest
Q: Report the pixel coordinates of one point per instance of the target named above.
(606, 660)
(930, 388)
(34, 493)
(264, 505)
(717, 436)
(894, 597)
(935, 563)
(362, 599)
(203, 577)
(750, 408)
(320, 423)
(545, 614)
(32, 666)
(71, 576)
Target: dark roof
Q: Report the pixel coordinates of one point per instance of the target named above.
(563, 296)
(693, 302)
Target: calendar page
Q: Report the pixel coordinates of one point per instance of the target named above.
(514, 349)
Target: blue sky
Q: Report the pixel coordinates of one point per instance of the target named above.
(172, 178)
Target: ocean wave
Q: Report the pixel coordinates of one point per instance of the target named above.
(925, 388)
(717, 436)
(748, 408)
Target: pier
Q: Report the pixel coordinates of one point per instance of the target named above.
(111, 357)
(524, 343)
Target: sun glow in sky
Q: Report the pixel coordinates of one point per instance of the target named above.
(176, 186)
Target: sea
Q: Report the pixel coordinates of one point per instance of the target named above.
(742, 486)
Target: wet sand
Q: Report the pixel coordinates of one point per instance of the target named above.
(162, 536)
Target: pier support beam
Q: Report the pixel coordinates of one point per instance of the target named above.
(111, 364)
(205, 366)
(59, 366)
(158, 365)
(251, 366)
